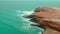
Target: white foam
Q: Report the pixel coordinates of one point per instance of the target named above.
(26, 27)
(21, 14)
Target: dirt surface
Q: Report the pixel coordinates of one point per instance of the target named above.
(50, 14)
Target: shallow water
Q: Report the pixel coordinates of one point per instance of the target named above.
(11, 12)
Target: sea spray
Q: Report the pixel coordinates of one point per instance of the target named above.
(26, 27)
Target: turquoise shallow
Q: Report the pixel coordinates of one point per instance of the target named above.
(11, 20)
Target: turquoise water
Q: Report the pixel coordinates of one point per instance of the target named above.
(11, 20)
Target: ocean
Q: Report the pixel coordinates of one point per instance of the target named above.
(12, 11)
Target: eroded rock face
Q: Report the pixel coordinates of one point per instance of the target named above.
(51, 14)
(46, 14)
